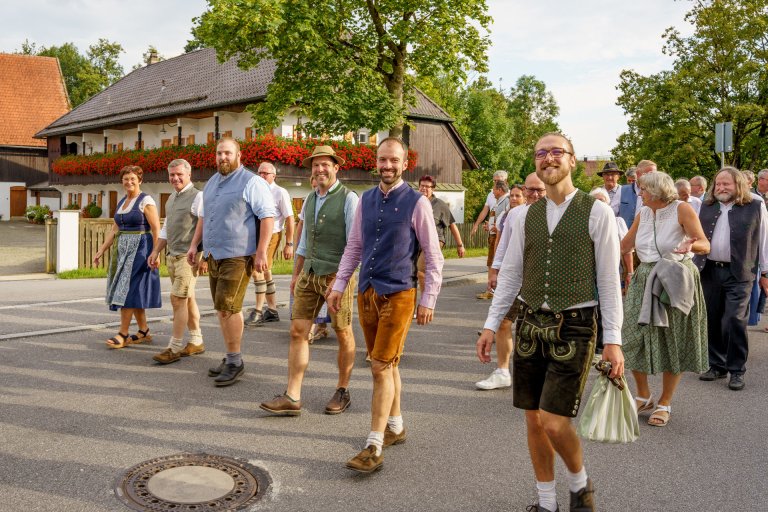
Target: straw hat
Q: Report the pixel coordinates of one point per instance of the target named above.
(322, 151)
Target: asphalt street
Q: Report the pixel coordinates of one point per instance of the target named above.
(75, 415)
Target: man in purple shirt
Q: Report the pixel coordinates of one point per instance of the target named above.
(391, 224)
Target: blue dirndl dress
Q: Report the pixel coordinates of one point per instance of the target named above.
(131, 283)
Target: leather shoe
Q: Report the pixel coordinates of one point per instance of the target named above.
(391, 438)
(737, 382)
(254, 318)
(538, 508)
(190, 349)
(216, 370)
(584, 500)
(338, 402)
(167, 356)
(366, 461)
(229, 374)
(712, 374)
(281, 405)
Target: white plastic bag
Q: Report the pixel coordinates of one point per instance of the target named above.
(610, 415)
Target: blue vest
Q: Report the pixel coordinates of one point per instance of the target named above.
(627, 204)
(390, 248)
(230, 228)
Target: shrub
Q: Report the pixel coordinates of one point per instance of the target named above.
(38, 214)
(91, 211)
(72, 206)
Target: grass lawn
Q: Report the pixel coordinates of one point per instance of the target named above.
(280, 267)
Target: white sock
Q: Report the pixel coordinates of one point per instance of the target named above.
(175, 345)
(196, 337)
(576, 481)
(502, 371)
(547, 495)
(395, 424)
(375, 439)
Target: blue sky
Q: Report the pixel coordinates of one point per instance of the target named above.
(577, 48)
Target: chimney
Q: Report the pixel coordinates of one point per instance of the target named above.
(153, 58)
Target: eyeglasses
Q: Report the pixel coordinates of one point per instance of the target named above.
(541, 154)
(425, 186)
(540, 191)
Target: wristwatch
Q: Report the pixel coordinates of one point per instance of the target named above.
(289, 244)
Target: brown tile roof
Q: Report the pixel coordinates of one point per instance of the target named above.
(190, 82)
(32, 95)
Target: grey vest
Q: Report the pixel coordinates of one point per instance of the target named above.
(744, 225)
(179, 222)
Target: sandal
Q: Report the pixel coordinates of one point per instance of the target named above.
(646, 405)
(320, 334)
(660, 416)
(144, 338)
(113, 342)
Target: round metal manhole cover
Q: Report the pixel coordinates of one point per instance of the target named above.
(192, 482)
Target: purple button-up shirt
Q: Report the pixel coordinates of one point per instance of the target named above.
(423, 223)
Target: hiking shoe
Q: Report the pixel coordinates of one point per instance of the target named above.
(391, 438)
(190, 349)
(215, 371)
(268, 315)
(712, 374)
(281, 405)
(538, 508)
(584, 500)
(254, 318)
(366, 461)
(167, 356)
(495, 381)
(229, 374)
(487, 295)
(338, 402)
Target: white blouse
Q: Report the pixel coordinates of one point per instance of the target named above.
(668, 234)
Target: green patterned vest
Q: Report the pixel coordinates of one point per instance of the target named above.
(326, 237)
(559, 269)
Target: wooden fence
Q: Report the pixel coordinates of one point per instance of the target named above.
(94, 231)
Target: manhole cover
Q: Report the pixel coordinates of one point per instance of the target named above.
(192, 482)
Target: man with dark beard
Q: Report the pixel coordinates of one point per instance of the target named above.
(392, 222)
(236, 228)
(561, 241)
(736, 227)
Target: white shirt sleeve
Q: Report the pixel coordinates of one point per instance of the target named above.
(490, 201)
(144, 202)
(197, 205)
(506, 234)
(604, 234)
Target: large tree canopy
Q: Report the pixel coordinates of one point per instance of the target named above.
(720, 74)
(349, 63)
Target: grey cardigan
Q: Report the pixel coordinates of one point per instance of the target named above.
(674, 278)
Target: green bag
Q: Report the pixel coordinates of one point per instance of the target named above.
(610, 415)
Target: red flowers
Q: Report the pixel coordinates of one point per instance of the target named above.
(264, 147)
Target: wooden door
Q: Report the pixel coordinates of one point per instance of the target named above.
(163, 200)
(112, 203)
(18, 201)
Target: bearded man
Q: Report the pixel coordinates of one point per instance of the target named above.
(561, 241)
(235, 227)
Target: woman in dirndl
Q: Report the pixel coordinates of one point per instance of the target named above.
(670, 229)
(132, 285)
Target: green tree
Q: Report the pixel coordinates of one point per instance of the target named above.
(720, 73)
(347, 63)
(147, 56)
(84, 75)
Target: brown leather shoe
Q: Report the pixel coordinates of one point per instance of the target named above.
(281, 405)
(366, 461)
(167, 356)
(191, 349)
(391, 438)
(584, 500)
(338, 402)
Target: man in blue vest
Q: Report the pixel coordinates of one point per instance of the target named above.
(631, 199)
(237, 221)
(561, 241)
(327, 214)
(390, 226)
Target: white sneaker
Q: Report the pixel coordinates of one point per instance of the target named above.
(495, 381)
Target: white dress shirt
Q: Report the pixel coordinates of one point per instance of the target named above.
(196, 209)
(614, 198)
(501, 248)
(602, 231)
(284, 206)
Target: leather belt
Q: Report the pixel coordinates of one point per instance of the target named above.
(721, 264)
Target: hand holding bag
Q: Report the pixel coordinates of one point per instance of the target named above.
(610, 415)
